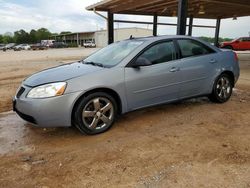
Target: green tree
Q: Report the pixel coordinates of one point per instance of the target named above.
(211, 39)
(42, 34)
(21, 36)
(1, 39)
(53, 34)
(7, 39)
(65, 32)
(33, 38)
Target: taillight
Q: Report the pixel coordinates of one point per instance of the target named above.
(236, 57)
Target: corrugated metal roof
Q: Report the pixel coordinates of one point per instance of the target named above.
(211, 8)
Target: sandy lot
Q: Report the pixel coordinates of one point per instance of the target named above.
(193, 143)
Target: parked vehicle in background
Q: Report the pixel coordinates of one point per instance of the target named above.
(38, 46)
(47, 43)
(22, 47)
(17, 47)
(89, 44)
(126, 76)
(59, 45)
(242, 43)
(9, 46)
(2, 46)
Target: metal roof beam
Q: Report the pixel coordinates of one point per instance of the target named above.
(227, 3)
(160, 23)
(134, 5)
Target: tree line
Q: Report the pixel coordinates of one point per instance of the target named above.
(211, 40)
(34, 36)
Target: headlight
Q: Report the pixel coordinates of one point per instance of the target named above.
(48, 90)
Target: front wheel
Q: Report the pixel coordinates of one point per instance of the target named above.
(222, 89)
(95, 113)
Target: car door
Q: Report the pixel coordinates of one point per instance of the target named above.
(197, 66)
(157, 83)
(237, 44)
(246, 43)
(242, 44)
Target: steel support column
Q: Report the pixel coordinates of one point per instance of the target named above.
(182, 17)
(217, 32)
(190, 27)
(110, 28)
(155, 21)
(77, 39)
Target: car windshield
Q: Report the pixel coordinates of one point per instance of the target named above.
(114, 53)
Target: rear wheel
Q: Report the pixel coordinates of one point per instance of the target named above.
(95, 113)
(222, 89)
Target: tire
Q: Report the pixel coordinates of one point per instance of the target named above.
(222, 89)
(97, 118)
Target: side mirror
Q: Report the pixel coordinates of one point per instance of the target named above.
(140, 62)
(237, 41)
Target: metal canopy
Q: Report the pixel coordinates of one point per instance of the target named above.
(211, 9)
(182, 9)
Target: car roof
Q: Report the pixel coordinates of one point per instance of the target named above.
(153, 39)
(162, 37)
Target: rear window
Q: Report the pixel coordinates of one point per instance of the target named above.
(191, 48)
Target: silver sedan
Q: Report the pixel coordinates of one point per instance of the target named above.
(123, 77)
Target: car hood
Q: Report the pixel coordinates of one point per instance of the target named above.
(60, 73)
(226, 43)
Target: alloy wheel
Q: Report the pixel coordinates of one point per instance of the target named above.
(223, 88)
(98, 113)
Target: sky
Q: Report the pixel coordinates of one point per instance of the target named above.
(71, 15)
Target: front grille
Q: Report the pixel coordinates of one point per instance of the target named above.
(20, 92)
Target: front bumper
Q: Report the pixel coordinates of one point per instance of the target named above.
(47, 112)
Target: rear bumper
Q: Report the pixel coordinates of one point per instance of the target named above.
(48, 112)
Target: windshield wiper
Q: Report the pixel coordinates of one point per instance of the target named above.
(93, 63)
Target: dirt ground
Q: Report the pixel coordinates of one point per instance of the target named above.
(193, 143)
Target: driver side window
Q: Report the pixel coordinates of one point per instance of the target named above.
(160, 53)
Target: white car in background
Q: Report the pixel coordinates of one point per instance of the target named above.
(9, 46)
(89, 44)
(2, 46)
(22, 47)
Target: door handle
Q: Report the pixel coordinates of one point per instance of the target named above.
(174, 69)
(212, 61)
